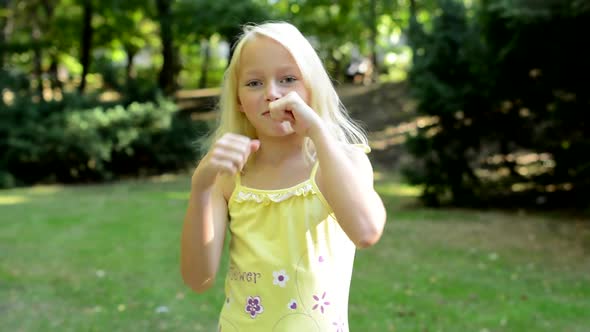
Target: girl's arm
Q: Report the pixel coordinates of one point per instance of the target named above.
(345, 176)
(206, 218)
(203, 233)
(346, 180)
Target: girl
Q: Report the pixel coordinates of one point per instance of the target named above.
(285, 175)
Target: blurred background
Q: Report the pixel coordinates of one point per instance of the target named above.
(477, 114)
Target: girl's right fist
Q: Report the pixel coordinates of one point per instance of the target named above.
(228, 156)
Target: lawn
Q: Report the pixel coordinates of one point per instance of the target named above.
(105, 258)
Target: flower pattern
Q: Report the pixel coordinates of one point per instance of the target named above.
(320, 302)
(280, 278)
(292, 304)
(254, 306)
(339, 325)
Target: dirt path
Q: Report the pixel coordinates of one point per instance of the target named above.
(387, 113)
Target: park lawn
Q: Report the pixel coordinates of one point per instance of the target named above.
(105, 258)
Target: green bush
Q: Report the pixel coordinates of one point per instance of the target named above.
(445, 79)
(79, 145)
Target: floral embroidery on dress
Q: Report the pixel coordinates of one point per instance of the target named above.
(292, 304)
(339, 325)
(320, 302)
(254, 306)
(280, 278)
(245, 195)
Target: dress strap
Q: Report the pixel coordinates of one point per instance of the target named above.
(364, 147)
(314, 170)
(238, 179)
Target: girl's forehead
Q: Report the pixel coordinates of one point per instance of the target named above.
(262, 51)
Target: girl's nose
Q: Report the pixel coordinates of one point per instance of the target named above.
(272, 92)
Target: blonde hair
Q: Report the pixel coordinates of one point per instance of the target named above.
(324, 99)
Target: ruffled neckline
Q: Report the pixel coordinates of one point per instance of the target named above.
(244, 193)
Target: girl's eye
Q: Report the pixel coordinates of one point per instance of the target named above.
(253, 83)
(289, 79)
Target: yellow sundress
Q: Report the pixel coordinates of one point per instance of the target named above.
(290, 262)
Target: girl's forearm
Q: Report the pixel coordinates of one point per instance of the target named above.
(199, 259)
(348, 188)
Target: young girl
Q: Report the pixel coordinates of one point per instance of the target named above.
(285, 174)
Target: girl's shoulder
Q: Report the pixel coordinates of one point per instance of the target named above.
(357, 156)
(353, 149)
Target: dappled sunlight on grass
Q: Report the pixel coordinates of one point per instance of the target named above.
(164, 178)
(34, 190)
(390, 185)
(12, 199)
(45, 190)
(397, 189)
(396, 194)
(23, 195)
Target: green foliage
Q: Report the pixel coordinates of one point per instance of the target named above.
(202, 18)
(507, 104)
(540, 83)
(14, 79)
(447, 86)
(65, 143)
(124, 31)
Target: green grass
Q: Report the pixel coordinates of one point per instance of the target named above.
(105, 258)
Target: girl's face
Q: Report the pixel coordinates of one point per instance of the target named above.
(266, 73)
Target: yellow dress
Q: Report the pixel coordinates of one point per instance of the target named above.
(290, 262)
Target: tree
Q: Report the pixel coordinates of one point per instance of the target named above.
(166, 77)
(507, 106)
(198, 21)
(445, 86)
(4, 10)
(127, 26)
(86, 41)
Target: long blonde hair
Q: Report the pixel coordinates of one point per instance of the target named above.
(324, 99)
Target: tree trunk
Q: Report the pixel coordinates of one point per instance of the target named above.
(3, 32)
(206, 53)
(48, 6)
(166, 78)
(129, 71)
(373, 40)
(86, 43)
(55, 82)
(37, 56)
(413, 23)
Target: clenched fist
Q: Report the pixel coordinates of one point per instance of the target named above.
(227, 156)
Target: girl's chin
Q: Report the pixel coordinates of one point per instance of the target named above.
(281, 129)
(287, 128)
